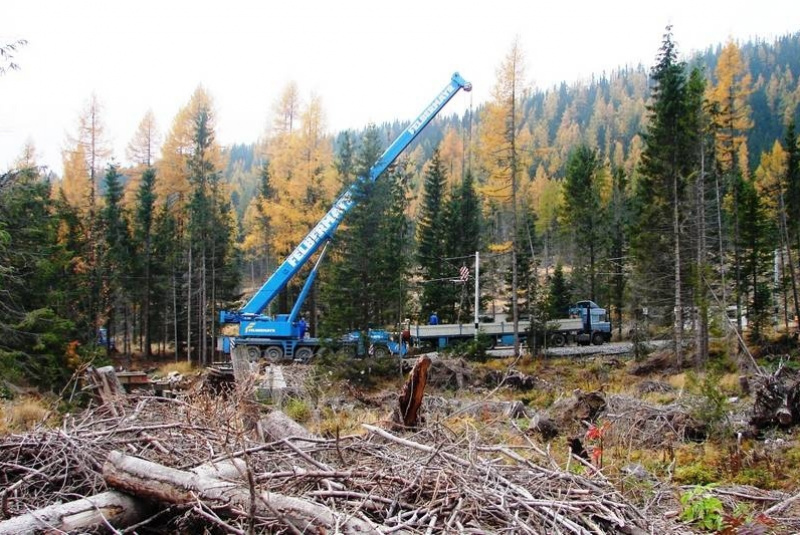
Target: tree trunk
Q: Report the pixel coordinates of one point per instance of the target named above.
(111, 507)
(278, 426)
(115, 508)
(678, 337)
(410, 401)
(163, 484)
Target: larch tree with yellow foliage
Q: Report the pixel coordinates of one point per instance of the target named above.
(141, 151)
(87, 153)
(502, 161)
(769, 185)
(731, 116)
(302, 180)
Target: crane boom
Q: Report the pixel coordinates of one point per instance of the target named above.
(325, 228)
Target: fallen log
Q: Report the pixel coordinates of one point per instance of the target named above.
(278, 426)
(110, 508)
(160, 483)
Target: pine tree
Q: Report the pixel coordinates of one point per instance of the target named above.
(116, 269)
(431, 245)
(757, 245)
(364, 280)
(583, 215)
(143, 230)
(669, 159)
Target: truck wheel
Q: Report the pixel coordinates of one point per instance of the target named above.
(598, 338)
(558, 340)
(304, 354)
(381, 352)
(274, 353)
(253, 353)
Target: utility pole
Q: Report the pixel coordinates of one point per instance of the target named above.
(477, 293)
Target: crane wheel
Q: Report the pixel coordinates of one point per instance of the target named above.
(274, 353)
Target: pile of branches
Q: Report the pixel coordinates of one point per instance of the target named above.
(142, 452)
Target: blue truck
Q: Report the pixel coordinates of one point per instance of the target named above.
(277, 337)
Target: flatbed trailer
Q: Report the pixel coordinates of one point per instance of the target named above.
(558, 333)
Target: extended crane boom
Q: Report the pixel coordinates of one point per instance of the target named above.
(276, 336)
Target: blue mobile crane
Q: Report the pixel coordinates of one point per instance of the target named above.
(277, 337)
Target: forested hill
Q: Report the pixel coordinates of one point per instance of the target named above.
(609, 111)
(596, 187)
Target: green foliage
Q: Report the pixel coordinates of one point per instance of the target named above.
(462, 234)
(560, 294)
(584, 217)
(366, 273)
(437, 293)
(360, 372)
(40, 357)
(757, 239)
(702, 508)
(298, 410)
(698, 473)
(662, 202)
(472, 350)
(712, 406)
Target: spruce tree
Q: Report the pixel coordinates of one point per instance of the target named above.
(583, 215)
(143, 246)
(431, 244)
(668, 160)
(757, 244)
(116, 266)
(364, 278)
(462, 227)
(559, 294)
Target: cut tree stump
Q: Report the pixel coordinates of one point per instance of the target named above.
(106, 384)
(407, 413)
(159, 483)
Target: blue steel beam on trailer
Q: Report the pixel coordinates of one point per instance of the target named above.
(324, 230)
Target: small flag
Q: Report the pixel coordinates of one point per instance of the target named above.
(464, 273)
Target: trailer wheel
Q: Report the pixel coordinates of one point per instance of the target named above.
(558, 340)
(598, 338)
(274, 353)
(381, 352)
(253, 352)
(304, 354)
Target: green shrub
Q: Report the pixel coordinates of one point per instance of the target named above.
(362, 372)
(695, 474)
(702, 508)
(712, 407)
(298, 410)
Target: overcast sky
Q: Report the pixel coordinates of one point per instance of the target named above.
(368, 61)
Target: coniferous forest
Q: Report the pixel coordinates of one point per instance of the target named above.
(668, 193)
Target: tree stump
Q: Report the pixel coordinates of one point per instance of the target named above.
(407, 413)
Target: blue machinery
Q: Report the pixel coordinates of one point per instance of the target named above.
(277, 337)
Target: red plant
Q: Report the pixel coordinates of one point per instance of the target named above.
(596, 434)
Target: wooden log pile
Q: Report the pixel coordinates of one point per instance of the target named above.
(217, 463)
(102, 471)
